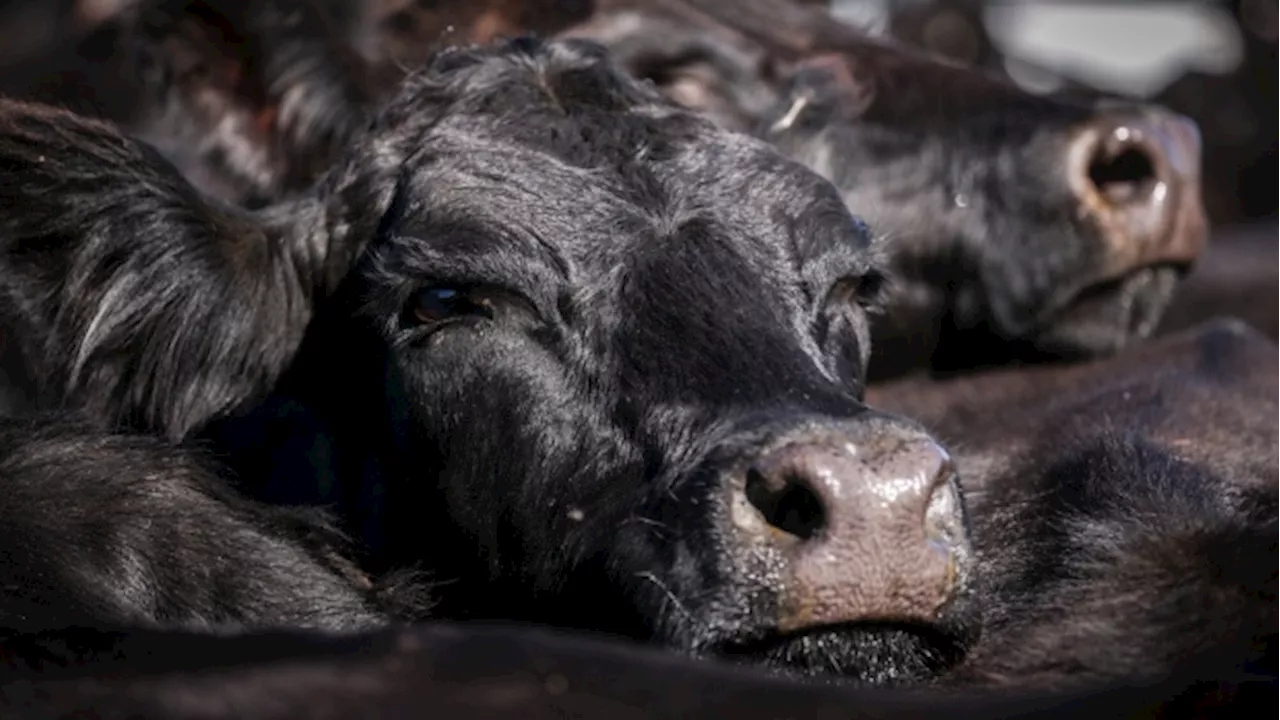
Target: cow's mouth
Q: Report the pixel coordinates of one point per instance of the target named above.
(878, 654)
(1097, 320)
(1105, 317)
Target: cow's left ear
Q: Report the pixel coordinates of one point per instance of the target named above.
(129, 295)
(825, 87)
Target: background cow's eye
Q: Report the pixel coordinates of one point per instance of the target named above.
(436, 304)
(843, 325)
(867, 291)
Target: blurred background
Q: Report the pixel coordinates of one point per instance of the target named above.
(1214, 60)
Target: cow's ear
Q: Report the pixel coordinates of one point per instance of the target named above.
(822, 88)
(708, 69)
(250, 100)
(131, 296)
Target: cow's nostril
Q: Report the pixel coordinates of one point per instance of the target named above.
(787, 503)
(1123, 173)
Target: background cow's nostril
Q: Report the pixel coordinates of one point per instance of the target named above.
(1122, 174)
(787, 503)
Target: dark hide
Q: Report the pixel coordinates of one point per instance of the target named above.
(506, 672)
(405, 33)
(1002, 248)
(1233, 108)
(123, 530)
(1207, 394)
(696, 57)
(1119, 504)
(1107, 556)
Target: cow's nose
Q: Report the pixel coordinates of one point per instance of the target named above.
(870, 526)
(1135, 170)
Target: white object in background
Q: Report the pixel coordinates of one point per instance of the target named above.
(1134, 48)
(870, 15)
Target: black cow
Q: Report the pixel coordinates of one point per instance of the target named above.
(250, 100)
(1021, 226)
(598, 365)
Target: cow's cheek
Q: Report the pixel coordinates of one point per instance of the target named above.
(496, 425)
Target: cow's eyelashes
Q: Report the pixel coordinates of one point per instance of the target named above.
(434, 305)
(438, 303)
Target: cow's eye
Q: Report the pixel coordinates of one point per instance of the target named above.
(438, 303)
(866, 291)
(843, 326)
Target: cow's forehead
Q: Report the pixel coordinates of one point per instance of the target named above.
(596, 219)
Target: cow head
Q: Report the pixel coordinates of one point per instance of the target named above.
(620, 352)
(607, 357)
(1054, 227)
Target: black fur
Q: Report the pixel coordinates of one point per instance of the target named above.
(127, 531)
(997, 257)
(506, 672)
(1124, 509)
(694, 58)
(126, 295)
(1008, 264)
(1106, 556)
